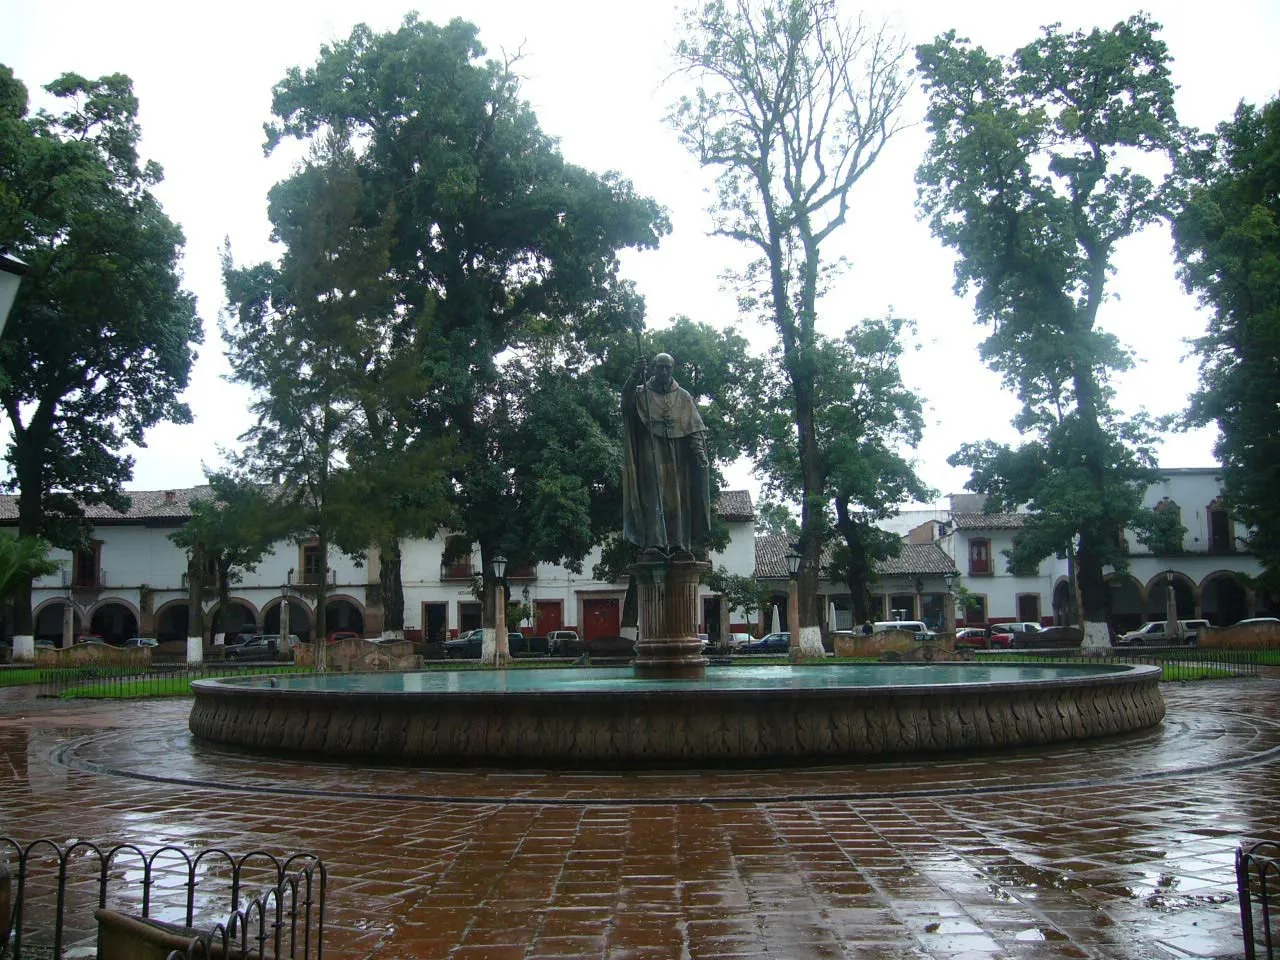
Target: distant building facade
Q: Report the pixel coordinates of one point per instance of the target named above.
(130, 580)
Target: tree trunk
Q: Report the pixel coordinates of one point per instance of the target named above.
(322, 591)
(392, 586)
(195, 592)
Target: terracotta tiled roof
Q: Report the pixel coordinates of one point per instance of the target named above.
(988, 521)
(735, 505)
(175, 505)
(916, 559)
(144, 505)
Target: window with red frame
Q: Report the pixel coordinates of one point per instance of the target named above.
(979, 556)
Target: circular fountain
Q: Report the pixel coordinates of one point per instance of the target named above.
(793, 713)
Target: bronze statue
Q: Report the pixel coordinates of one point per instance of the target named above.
(666, 488)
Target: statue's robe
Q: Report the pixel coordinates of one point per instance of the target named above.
(666, 489)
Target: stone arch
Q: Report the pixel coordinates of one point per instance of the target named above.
(113, 619)
(343, 612)
(233, 616)
(173, 620)
(301, 619)
(1224, 598)
(1185, 593)
(46, 620)
(1126, 601)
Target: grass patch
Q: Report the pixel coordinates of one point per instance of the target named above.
(19, 676)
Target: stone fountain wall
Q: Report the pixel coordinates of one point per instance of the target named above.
(677, 727)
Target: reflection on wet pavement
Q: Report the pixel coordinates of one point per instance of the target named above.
(1112, 849)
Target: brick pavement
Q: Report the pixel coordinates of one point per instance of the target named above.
(1108, 849)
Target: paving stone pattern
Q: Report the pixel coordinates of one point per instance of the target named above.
(1122, 848)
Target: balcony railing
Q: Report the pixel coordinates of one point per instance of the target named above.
(524, 571)
(457, 571)
(88, 579)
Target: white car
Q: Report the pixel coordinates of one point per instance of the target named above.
(738, 640)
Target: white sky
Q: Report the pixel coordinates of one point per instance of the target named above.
(595, 73)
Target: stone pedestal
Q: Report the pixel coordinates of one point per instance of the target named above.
(669, 647)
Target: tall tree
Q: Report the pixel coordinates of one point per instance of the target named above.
(1034, 176)
(1228, 241)
(301, 334)
(865, 422)
(99, 343)
(504, 252)
(793, 106)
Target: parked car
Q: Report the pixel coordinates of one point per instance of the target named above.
(971, 637)
(465, 646)
(739, 640)
(562, 643)
(337, 635)
(1255, 621)
(141, 642)
(770, 643)
(1157, 632)
(259, 647)
(469, 645)
(1016, 634)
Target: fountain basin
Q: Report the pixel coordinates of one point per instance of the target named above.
(734, 715)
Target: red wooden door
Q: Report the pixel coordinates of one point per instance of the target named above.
(549, 615)
(599, 619)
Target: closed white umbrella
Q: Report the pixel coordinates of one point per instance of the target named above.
(777, 621)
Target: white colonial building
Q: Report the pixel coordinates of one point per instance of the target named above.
(131, 581)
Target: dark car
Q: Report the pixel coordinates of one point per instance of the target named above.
(261, 647)
(465, 646)
(772, 643)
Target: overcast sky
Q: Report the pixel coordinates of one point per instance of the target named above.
(595, 73)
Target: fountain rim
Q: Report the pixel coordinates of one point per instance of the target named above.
(1089, 675)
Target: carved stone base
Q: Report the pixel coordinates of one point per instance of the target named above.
(669, 647)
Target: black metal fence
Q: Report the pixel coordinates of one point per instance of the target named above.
(113, 680)
(1258, 886)
(1244, 663)
(57, 898)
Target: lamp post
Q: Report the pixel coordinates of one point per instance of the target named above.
(501, 648)
(950, 612)
(12, 270)
(1172, 628)
(528, 610)
(794, 560)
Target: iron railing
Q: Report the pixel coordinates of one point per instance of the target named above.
(1258, 886)
(123, 680)
(51, 899)
(1244, 663)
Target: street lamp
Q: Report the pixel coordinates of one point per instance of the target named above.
(950, 612)
(502, 650)
(12, 270)
(794, 561)
(524, 595)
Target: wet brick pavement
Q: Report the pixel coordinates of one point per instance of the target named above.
(1121, 848)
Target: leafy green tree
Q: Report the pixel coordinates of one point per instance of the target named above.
(507, 257)
(743, 593)
(865, 422)
(1228, 242)
(793, 105)
(99, 343)
(22, 559)
(301, 334)
(1033, 176)
(228, 533)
